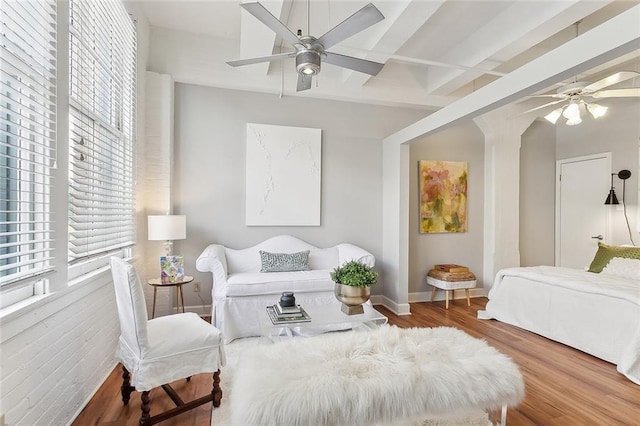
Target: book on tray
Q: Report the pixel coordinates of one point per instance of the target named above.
(451, 268)
(288, 310)
(280, 319)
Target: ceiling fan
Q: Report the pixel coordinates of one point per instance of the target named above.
(578, 97)
(310, 51)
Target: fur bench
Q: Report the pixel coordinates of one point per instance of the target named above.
(381, 376)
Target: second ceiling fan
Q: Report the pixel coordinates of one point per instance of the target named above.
(578, 96)
(310, 52)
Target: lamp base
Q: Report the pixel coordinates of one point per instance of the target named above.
(168, 248)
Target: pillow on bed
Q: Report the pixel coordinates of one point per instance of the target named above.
(623, 268)
(284, 262)
(605, 253)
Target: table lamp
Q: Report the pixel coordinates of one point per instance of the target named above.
(168, 228)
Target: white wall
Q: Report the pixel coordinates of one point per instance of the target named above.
(537, 194)
(56, 355)
(617, 132)
(464, 142)
(210, 139)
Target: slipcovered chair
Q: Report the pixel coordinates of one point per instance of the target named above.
(162, 350)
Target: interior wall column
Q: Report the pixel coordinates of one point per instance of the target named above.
(154, 176)
(395, 228)
(503, 129)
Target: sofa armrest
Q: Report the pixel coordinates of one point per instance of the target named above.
(214, 260)
(347, 252)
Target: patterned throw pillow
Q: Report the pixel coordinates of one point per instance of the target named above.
(605, 253)
(284, 262)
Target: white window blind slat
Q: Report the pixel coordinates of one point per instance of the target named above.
(101, 129)
(27, 137)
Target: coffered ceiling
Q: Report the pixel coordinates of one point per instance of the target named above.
(434, 51)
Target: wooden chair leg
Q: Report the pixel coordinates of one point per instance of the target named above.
(126, 387)
(446, 299)
(433, 293)
(466, 291)
(216, 392)
(145, 419)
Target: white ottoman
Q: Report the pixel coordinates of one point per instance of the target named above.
(449, 282)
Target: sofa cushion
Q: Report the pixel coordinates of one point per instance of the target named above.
(256, 283)
(323, 258)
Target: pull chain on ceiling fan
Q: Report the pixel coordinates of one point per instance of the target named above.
(310, 51)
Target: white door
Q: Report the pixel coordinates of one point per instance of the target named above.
(581, 215)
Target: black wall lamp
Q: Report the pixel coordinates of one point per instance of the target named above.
(611, 198)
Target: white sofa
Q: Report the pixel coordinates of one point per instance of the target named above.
(240, 291)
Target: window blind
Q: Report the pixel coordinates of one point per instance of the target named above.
(27, 137)
(102, 86)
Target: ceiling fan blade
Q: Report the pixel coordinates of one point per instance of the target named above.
(612, 79)
(617, 93)
(264, 16)
(304, 82)
(362, 65)
(542, 106)
(554, 95)
(355, 23)
(241, 62)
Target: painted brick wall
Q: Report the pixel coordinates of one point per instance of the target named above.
(56, 355)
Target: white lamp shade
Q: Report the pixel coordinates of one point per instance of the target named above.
(167, 227)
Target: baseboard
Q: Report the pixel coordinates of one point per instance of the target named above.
(396, 308)
(197, 309)
(425, 296)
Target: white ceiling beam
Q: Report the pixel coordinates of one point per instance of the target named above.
(256, 39)
(399, 25)
(616, 37)
(522, 26)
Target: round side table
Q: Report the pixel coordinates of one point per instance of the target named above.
(156, 283)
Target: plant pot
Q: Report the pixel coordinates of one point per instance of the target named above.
(352, 298)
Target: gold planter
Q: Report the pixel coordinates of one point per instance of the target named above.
(352, 298)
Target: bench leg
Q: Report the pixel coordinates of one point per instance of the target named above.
(433, 294)
(446, 299)
(466, 291)
(498, 416)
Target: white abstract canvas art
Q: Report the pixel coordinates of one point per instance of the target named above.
(283, 175)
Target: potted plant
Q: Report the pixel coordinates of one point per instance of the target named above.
(353, 281)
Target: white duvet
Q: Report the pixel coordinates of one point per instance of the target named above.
(596, 313)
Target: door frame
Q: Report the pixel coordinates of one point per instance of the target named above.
(559, 163)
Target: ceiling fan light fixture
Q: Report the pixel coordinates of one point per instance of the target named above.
(572, 112)
(553, 116)
(574, 121)
(596, 110)
(308, 62)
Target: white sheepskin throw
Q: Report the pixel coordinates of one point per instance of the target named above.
(363, 378)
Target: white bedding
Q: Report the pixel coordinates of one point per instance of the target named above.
(596, 313)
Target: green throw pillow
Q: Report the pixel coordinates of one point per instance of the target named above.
(605, 253)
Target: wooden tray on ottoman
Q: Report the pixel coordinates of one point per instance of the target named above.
(451, 276)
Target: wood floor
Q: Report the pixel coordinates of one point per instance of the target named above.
(563, 386)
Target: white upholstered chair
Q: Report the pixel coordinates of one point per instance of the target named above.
(162, 350)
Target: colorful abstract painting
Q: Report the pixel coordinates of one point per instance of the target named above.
(443, 196)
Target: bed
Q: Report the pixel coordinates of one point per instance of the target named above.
(597, 313)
